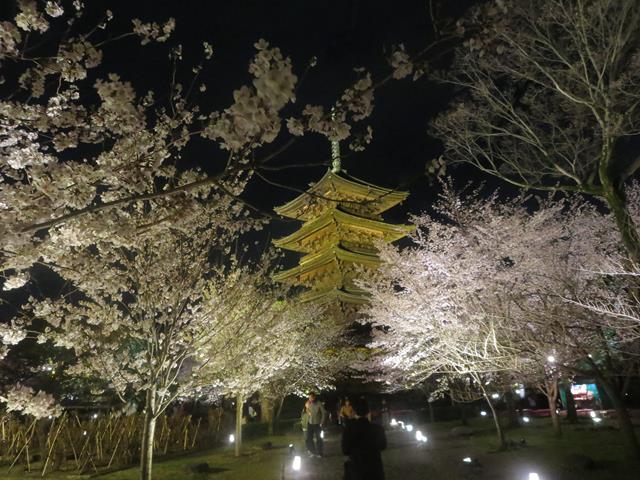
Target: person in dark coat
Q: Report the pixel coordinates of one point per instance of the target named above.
(362, 442)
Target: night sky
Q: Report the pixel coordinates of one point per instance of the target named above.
(342, 34)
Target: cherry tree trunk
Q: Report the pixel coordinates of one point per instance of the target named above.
(496, 420)
(148, 435)
(238, 442)
(512, 414)
(572, 414)
(267, 408)
(615, 196)
(624, 419)
(279, 410)
(552, 389)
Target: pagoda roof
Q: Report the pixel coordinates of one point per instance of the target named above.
(390, 232)
(332, 254)
(334, 188)
(335, 295)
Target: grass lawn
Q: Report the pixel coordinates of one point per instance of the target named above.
(553, 458)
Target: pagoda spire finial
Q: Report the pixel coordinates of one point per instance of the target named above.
(336, 164)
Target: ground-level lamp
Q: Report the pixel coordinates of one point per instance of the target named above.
(420, 437)
(483, 413)
(393, 422)
(533, 476)
(297, 463)
(232, 438)
(526, 419)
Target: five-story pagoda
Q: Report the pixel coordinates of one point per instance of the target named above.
(342, 221)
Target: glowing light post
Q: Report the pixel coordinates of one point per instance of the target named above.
(394, 422)
(232, 439)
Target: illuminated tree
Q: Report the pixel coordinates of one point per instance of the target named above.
(489, 291)
(548, 98)
(79, 150)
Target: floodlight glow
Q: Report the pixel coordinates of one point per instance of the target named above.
(467, 460)
(551, 359)
(534, 476)
(393, 422)
(297, 463)
(409, 428)
(597, 419)
(232, 438)
(526, 419)
(592, 414)
(495, 396)
(483, 413)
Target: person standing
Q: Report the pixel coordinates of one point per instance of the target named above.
(362, 442)
(346, 412)
(317, 415)
(384, 411)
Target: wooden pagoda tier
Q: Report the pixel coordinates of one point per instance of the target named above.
(342, 223)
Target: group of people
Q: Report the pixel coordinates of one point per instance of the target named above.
(362, 440)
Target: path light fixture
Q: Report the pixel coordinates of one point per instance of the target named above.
(597, 419)
(526, 419)
(232, 438)
(592, 414)
(297, 463)
(322, 434)
(495, 396)
(291, 449)
(95, 415)
(534, 476)
(393, 422)
(551, 359)
(483, 413)
(467, 460)
(409, 428)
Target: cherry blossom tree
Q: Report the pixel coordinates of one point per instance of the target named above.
(140, 317)
(486, 292)
(80, 148)
(276, 342)
(549, 98)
